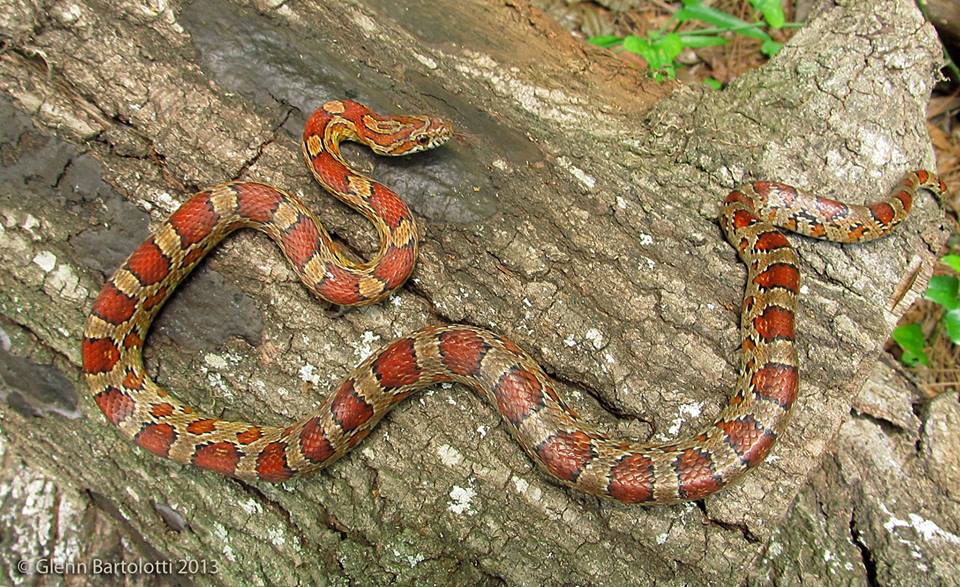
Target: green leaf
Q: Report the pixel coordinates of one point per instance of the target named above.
(910, 338)
(713, 83)
(952, 261)
(658, 51)
(635, 44)
(605, 40)
(772, 12)
(911, 359)
(942, 289)
(771, 47)
(695, 41)
(669, 47)
(718, 18)
(951, 321)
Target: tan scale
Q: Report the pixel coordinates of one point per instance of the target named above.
(168, 241)
(315, 269)
(286, 216)
(360, 186)
(334, 107)
(224, 201)
(405, 234)
(314, 145)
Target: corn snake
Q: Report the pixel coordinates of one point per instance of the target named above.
(569, 450)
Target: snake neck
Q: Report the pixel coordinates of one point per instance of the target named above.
(391, 217)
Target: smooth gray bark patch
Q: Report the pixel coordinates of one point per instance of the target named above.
(207, 312)
(575, 215)
(34, 390)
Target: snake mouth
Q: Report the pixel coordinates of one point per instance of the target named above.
(436, 132)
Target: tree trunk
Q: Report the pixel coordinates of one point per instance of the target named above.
(576, 215)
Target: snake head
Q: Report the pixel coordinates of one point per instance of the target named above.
(403, 135)
(433, 133)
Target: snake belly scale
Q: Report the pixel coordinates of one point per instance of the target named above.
(569, 450)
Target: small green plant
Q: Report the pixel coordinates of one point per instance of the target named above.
(661, 48)
(943, 290)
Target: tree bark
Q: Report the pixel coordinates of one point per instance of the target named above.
(576, 216)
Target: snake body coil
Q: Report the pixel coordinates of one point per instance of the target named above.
(569, 450)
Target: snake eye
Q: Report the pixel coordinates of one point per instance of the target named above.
(423, 140)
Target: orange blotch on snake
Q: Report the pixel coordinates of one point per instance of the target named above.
(251, 434)
(565, 454)
(779, 275)
(775, 323)
(762, 188)
(314, 443)
(744, 218)
(161, 410)
(257, 202)
(301, 240)
(694, 468)
(272, 463)
(156, 438)
(220, 457)
(148, 263)
(738, 196)
(906, 200)
(132, 340)
(883, 212)
(771, 241)
(856, 232)
(203, 426)
(115, 404)
(395, 266)
(349, 409)
(390, 207)
(339, 286)
(133, 380)
(776, 382)
(99, 355)
(518, 394)
(748, 438)
(332, 172)
(631, 479)
(194, 220)
(113, 305)
(397, 364)
(462, 351)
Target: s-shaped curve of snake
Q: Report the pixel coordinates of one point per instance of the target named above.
(569, 450)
